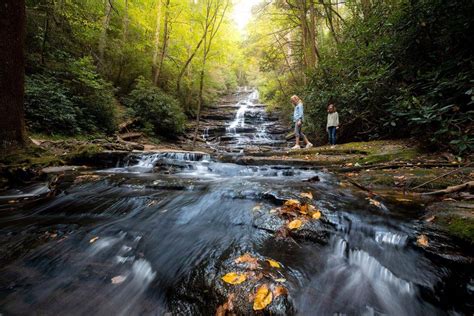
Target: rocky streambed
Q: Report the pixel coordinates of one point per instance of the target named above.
(183, 233)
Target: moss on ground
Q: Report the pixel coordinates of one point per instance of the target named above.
(460, 226)
(30, 157)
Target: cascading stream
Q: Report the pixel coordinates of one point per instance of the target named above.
(156, 234)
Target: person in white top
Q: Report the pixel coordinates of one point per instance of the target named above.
(298, 116)
(332, 124)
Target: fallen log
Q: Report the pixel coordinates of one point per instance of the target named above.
(130, 136)
(453, 189)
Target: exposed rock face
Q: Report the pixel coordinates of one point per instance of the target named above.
(238, 124)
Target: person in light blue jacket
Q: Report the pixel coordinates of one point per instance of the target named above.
(298, 117)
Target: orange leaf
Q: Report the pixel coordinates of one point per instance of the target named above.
(247, 258)
(262, 298)
(295, 224)
(422, 240)
(279, 290)
(227, 306)
(234, 278)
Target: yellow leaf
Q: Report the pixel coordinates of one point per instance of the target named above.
(280, 280)
(93, 240)
(308, 195)
(295, 224)
(274, 263)
(234, 278)
(422, 240)
(262, 298)
(292, 202)
(257, 208)
(316, 215)
(273, 210)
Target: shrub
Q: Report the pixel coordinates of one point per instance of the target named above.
(71, 102)
(410, 75)
(156, 111)
(48, 106)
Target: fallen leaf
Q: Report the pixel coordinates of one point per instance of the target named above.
(374, 202)
(308, 195)
(279, 290)
(247, 258)
(263, 297)
(118, 279)
(274, 263)
(273, 210)
(234, 278)
(422, 240)
(280, 280)
(430, 219)
(93, 240)
(295, 224)
(227, 306)
(257, 208)
(292, 203)
(403, 200)
(12, 201)
(316, 215)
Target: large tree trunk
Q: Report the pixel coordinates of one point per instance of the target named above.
(12, 73)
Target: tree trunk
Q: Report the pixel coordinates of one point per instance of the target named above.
(105, 27)
(164, 47)
(154, 67)
(45, 34)
(12, 74)
(201, 88)
(124, 42)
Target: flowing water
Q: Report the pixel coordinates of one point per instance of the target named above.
(155, 235)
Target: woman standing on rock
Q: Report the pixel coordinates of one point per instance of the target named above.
(332, 124)
(298, 116)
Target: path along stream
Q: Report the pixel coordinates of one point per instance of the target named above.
(156, 234)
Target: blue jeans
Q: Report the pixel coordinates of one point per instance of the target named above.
(332, 135)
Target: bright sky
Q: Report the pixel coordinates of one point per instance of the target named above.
(243, 12)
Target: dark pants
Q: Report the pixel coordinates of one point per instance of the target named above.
(332, 135)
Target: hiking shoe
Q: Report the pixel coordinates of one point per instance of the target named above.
(309, 145)
(296, 147)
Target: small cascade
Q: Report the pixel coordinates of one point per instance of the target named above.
(147, 162)
(390, 238)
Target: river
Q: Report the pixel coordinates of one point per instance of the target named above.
(155, 234)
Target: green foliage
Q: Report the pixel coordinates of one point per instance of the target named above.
(71, 102)
(403, 70)
(158, 112)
